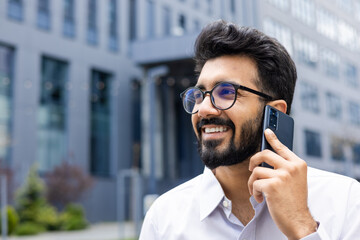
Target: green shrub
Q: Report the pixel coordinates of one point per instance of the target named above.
(48, 217)
(73, 218)
(29, 228)
(30, 197)
(12, 219)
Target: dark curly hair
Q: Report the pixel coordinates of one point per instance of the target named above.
(276, 69)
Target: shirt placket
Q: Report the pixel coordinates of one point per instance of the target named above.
(249, 231)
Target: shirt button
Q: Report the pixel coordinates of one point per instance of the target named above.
(225, 204)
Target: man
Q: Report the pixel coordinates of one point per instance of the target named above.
(241, 71)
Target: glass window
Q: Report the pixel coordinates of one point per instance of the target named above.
(222, 11)
(15, 10)
(180, 28)
(280, 32)
(196, 4)
(182, 23)
(233, 6)
(210, 4)
(167, 21)
(331, 63)
(132, 16)
(69, 18)
(306, 50)
(52, 113)
(354, 111)
(6, 83)
(337, 149)
(333, 103)
(304, 10)
(92, 32)
(351, 75)
(43, 14)
(347, 36)
(310, 97)
(356, 153)
(326, 23)
(113, 26)
(313, 143)
(197, 26)
(100, 123)
(150, 18)
(281, 4)
(345, 4)
(357, 10)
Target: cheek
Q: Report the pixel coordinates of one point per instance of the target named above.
(194, 121)
(237, 136)
(239, 125)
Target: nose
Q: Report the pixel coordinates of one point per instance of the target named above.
(206, 108)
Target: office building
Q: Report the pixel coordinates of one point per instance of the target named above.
(97, 83)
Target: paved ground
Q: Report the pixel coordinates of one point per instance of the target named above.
(103, 231)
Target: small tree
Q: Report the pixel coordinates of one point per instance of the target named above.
(30, 197)
(66, 184)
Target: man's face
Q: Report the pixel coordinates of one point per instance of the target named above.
(237, 134)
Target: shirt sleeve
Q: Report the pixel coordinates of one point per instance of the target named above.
(320, 234)
(148, 229)
(351, 225)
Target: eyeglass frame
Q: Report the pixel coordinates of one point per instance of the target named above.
(236, 86)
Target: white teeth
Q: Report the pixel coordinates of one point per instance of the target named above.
(217, 129)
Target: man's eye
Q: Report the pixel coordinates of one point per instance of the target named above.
(198, 95)
(225, 92)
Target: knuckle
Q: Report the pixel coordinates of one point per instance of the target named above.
(280, 148)
(292, 169)
(275, 185)
(303, 164)
(256, 185)
(267, 153)
(285, 175)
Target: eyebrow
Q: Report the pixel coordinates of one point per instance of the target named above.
(202, 87)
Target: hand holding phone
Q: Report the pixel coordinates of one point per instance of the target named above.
(281, 124)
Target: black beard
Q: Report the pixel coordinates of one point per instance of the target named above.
(250, 141)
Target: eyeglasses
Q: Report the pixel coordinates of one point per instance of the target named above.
(223, 96)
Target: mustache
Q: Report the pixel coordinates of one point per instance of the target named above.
(214, 121)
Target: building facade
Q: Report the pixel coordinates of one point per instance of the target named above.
(323, 37)
(97, 83)
(66, 91)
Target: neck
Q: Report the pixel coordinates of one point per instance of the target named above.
(234, 181)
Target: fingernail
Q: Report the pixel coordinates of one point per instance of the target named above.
(269, 131)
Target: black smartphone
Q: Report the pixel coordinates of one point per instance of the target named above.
(281, 124)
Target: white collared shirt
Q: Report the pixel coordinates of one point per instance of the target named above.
(199, 209)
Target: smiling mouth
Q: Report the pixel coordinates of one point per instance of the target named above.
(214, 129)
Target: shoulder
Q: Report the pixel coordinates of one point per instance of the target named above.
(183, 192)
(331, 187)
(168, 211)
(317, 176)
(182, 195)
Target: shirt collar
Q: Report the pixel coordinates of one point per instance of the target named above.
(210, 193)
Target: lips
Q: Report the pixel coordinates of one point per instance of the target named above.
(215, 129)
(214, 125)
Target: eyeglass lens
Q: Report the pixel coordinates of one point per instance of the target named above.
(222, 96)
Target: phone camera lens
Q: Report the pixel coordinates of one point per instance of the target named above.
(273, 119)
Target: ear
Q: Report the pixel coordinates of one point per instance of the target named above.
(279, 105)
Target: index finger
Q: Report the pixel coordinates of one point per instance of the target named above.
(277, 146)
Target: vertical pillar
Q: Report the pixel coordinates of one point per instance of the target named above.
(4, 221)
(171, 128)
(149, 121)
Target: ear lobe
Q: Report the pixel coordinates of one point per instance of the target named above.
(279, 105)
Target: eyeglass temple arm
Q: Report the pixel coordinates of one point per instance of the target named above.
(256, 92)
